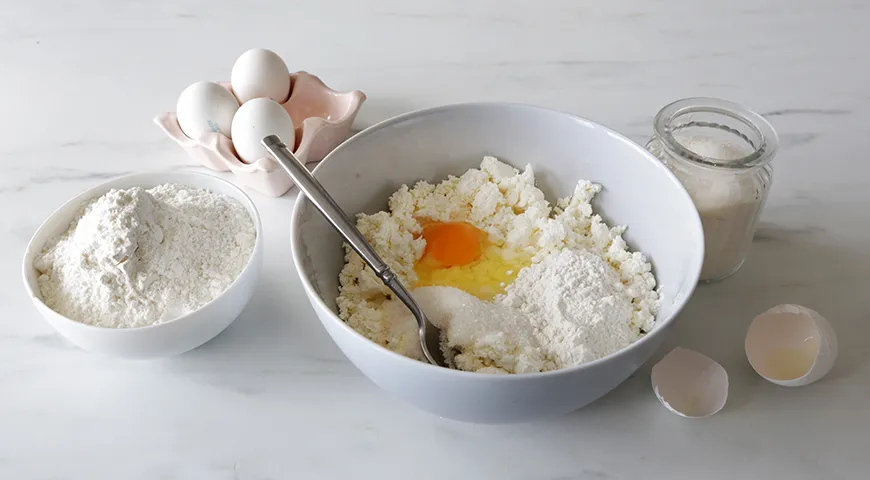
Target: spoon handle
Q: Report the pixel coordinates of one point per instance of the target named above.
(311, 188)
(327, 206)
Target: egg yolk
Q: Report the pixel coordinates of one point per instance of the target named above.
(452, 243)
(461, 255)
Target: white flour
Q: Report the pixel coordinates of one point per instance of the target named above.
(137, 257)
(578, 306)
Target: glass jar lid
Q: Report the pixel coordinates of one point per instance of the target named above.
(719, 120)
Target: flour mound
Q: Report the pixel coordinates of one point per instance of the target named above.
(577, 305)
(136, 257)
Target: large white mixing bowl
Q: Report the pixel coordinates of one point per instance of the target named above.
(431, 144)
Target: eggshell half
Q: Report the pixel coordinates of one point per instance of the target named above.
(791, 345)
(690, 384)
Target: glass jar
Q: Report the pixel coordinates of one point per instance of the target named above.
(721, 153)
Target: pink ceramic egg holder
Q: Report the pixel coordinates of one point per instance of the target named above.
(322, 118)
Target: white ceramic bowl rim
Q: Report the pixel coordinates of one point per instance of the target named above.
(312, 293)
(87, 195)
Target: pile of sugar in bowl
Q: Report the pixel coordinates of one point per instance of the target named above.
(516, 285)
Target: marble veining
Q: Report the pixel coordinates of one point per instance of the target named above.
(273, 397)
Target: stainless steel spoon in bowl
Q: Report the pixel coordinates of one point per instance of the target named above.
(430, 336)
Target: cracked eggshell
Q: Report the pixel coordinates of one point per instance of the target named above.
(690, 384)
(791, 345)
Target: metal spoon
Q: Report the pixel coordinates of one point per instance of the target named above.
(430, 336)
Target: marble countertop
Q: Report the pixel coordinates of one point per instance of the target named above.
(272, 397)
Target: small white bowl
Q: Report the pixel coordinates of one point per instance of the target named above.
(791, 345)
(164, 339)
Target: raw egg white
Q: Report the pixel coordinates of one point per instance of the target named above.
(460, 255)
(255, 120)
(791, 345)
(206, 107)
(260, 73)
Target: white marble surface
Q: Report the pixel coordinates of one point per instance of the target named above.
(272, 397)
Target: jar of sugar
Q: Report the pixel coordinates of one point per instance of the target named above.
(721, 153)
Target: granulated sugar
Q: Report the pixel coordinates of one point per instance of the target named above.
(479, 336)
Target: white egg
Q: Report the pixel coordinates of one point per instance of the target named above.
(690, 384)
(260, 73)
(205, 107)
(791, 345)
(256, 119)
